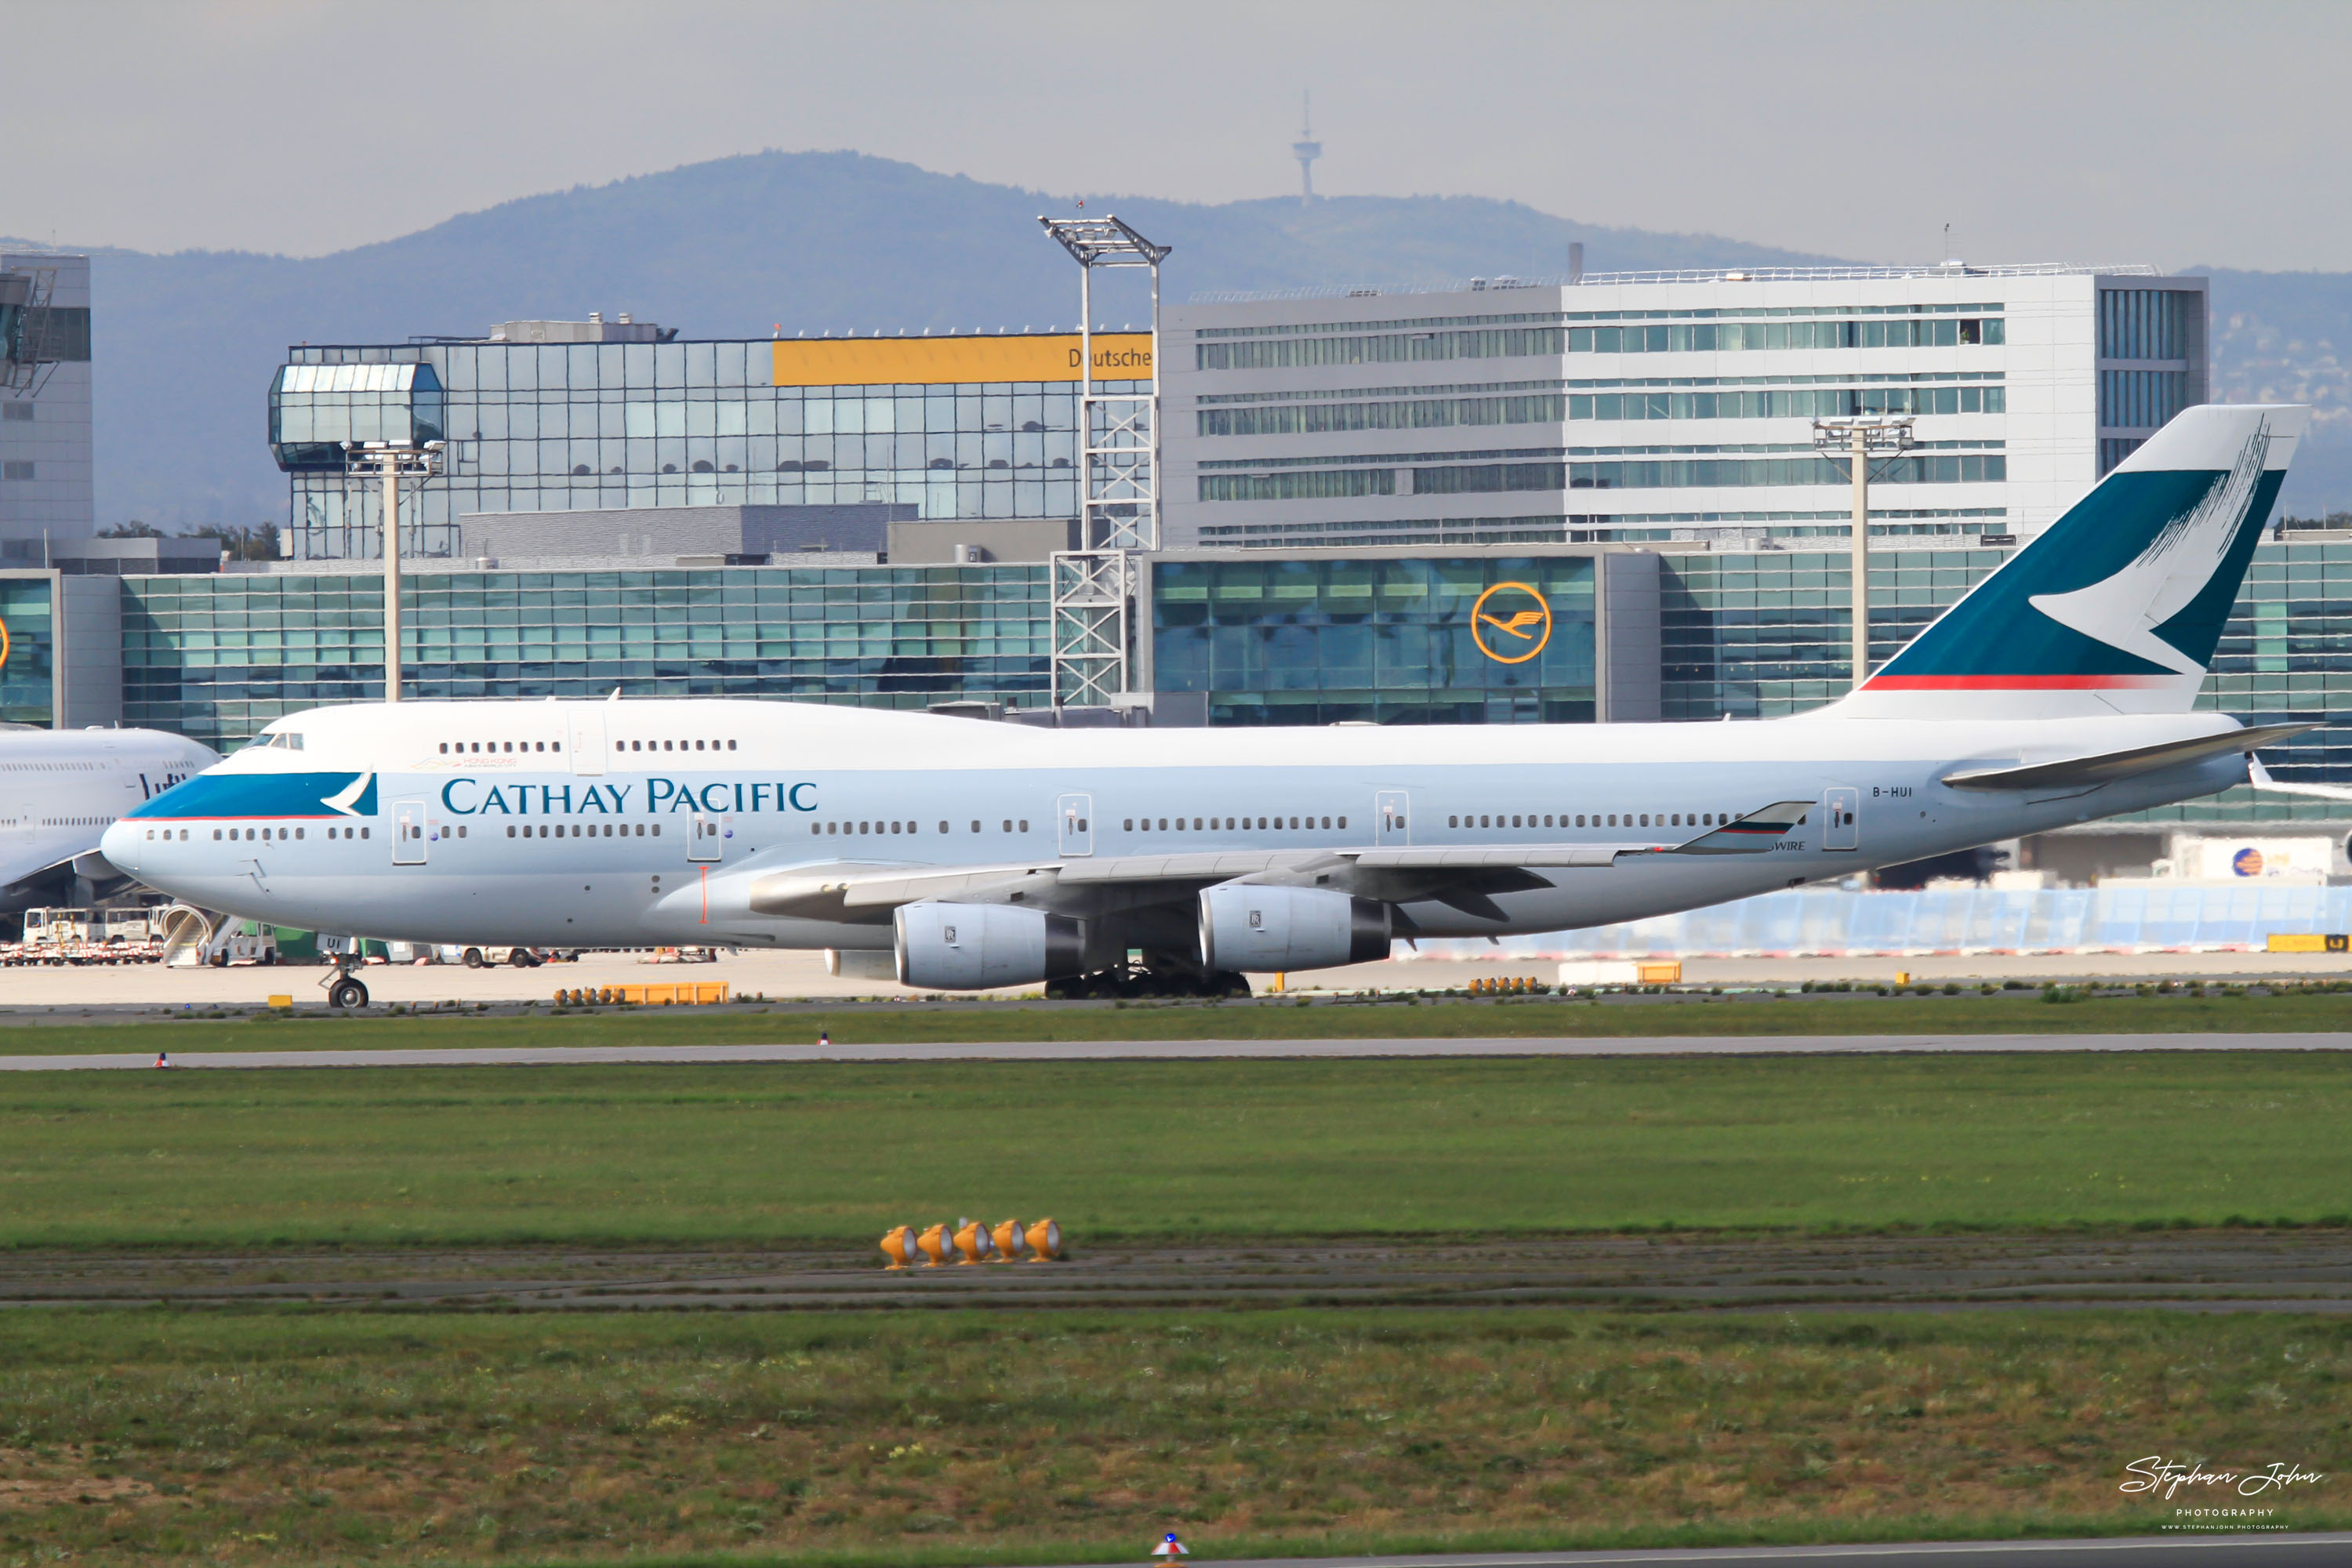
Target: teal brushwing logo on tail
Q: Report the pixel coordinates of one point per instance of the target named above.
(2123, 598)
(225, 794)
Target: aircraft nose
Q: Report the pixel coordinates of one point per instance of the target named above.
(120, 844)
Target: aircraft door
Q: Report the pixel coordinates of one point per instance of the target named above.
(1389, 824)
(408, 833)
(1076, 813)
(1841, 808)
(708, 840)
(588, 741)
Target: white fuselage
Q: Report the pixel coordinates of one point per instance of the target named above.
(61, 789)
(597, 824)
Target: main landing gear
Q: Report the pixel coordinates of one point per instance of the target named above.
(1129, 985)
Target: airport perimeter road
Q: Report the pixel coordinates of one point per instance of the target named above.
(1190, 1050)
(2281, 1551)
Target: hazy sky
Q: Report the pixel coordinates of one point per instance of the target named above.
(2073, 131)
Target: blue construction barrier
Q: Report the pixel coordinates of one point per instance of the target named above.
(1949, 919)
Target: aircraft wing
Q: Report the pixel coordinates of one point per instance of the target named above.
(867, 891)
(2106, 767)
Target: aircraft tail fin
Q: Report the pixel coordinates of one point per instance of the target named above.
(2116, 606)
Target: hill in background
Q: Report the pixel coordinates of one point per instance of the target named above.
(839, 242)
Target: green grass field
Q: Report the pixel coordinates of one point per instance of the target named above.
(2298, 1009)
(837, 1152)
(1068, 1436)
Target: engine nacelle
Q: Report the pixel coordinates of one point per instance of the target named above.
(978, 947)
(1261, 929)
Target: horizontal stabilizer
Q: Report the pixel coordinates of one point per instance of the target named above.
(2106, 767)
(2259, 777)
(1750, 835)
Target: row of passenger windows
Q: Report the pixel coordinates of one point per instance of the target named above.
(471, 748)
(856, 827)
(576, 830)
(1210, 825)
(1597, 819)
(243, 835)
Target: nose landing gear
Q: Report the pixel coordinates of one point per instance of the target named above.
(343, 986)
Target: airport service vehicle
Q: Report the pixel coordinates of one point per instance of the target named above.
(61, 789)
(979, 854)
(56, 935)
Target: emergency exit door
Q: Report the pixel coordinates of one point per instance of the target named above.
(408, 833)
(1076, 819)
(1840, 806)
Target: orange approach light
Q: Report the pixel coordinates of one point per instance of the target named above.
(972, 1240)
(899, 1247)
(1009, 1245)
(934, 1243)
(1044, 1241)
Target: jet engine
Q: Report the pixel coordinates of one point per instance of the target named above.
(977, 947)
(1246, 926)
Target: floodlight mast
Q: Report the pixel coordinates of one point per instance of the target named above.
(1118, 479)
(394, 460)
(1859, 440)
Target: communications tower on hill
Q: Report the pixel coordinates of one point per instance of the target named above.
(1306, 149)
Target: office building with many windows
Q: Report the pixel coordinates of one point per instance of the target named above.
(45, 469)
(581, 418)
(1658, 408)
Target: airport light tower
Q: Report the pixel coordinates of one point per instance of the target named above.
(394, 461)
(1860, 440)
(1119, 479)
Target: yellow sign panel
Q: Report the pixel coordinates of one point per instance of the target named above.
(941, 362)
(2308, 942)
(1521, 623)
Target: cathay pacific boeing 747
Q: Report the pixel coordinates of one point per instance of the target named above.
(976, 854)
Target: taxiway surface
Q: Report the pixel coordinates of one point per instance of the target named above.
(1184, 1051)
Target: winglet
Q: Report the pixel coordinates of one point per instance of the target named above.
(1750, 835)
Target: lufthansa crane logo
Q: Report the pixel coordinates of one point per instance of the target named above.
(1520, 622)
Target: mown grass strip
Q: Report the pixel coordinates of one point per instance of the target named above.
(837, 1152)
(885, 1441)
(2006, 1013)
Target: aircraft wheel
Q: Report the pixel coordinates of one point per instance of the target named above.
(347, 993)
(1227, 983)
(473, 958)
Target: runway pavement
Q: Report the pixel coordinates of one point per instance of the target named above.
(846, 1050)
(2184, 1550)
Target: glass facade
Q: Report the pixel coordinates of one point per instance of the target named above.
(1271, 639)
(218, 658)
(1764, 634)
(315, 408)
(28, 670)
(1323, 641)
(557, 426)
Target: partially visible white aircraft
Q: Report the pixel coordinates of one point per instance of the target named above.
(2059, 690)
(61, 789)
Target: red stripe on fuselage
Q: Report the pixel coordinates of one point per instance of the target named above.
(2014, 682)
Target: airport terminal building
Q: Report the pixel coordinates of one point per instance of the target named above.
(1619, 471)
